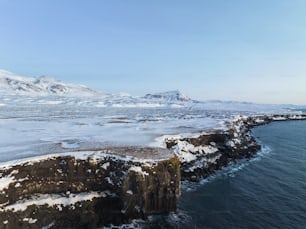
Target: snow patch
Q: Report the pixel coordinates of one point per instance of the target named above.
(29, 220)
(138, 169)
(184, 151)
(53, 200)
(5, 182)
(209, 149)
(17, 185)
(187, 152)
(105, 165)
(86, 155)
(130, 192)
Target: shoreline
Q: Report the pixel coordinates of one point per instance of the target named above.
(202, 155)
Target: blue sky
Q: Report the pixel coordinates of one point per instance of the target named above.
(209, 49)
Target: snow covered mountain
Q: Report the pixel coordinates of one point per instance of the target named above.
(15, 89)
(13, 84)
(168, 96)
(46, 90)
(163, 99)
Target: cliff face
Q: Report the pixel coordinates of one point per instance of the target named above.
(202, 155)
(95, 189)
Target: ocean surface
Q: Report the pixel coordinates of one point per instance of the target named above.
(268, 191)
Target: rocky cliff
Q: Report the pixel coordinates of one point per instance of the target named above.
(88, 189)
(202, 155)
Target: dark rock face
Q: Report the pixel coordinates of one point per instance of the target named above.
(68, 192)
(151, 195)
(214, 151)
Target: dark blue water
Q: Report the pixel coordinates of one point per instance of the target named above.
(268, 191)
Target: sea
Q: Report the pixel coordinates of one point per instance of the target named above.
(267, 191)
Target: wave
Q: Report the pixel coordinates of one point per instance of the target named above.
(176, 219)
(136, 224)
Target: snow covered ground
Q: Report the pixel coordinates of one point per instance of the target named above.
(34, 130)
(42, 115)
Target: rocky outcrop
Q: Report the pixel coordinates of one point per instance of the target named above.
(88, 189)
(204, 154)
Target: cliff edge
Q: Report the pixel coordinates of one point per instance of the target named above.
(88, 189)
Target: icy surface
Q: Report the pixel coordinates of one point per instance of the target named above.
(40, 129)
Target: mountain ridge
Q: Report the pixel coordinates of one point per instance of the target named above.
(16, 89)
(45, 85)
(51, 89)
(14, 84)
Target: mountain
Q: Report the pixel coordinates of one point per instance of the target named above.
(168, 96)
(15, 89)
(13, 84)
(46, 90)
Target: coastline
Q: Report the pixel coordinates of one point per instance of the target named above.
(143, 187)
(202, 155)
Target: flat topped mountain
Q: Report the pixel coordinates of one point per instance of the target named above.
(11, 83)
(168, 96)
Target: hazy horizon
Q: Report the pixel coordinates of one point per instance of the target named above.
(238, 50)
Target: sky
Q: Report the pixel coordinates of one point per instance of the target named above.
(209, 49)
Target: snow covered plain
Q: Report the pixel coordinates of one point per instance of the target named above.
(43, 115)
